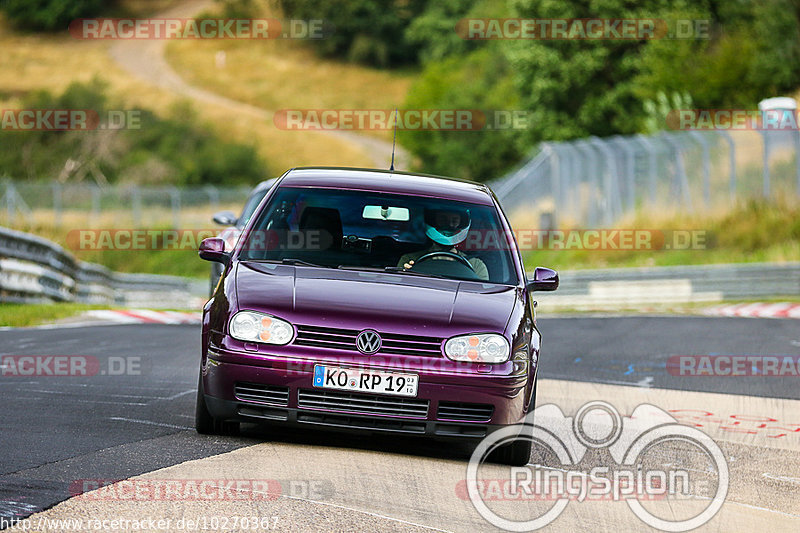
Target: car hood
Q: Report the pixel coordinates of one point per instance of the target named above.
(393, 303)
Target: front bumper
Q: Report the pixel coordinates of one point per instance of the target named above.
(447, 405)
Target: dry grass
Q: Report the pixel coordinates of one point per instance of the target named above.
(33, 62)
(286, 74)
(751, 231)
(44, 221)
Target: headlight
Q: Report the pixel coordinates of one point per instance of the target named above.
(258, 327)
(484, 348)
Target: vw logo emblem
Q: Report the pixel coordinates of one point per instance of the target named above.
(368, 342)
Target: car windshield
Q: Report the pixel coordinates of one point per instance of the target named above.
(376, 231)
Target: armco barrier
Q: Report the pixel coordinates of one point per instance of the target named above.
(33, 269)
(620, 287)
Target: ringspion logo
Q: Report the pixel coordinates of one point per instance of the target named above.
(642, 447)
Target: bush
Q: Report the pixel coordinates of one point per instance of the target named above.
(50, 15)
(179, 149)
(578, 88)
(480, 81)
(364, 31)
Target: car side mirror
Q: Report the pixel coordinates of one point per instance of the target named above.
(544, 279)
(213, 249)
(225, 218)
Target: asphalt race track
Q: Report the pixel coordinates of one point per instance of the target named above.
(117, 424)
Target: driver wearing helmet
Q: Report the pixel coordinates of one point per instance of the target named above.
(446, 228)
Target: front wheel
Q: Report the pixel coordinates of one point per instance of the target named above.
(518, 451)
(515, 453)
(204, 423)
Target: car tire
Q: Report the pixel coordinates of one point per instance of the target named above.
(517, 452)
(204, 423)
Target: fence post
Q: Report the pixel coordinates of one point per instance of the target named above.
(591, 169)
(9, 201)
(613, 205)
(95, 217)
(680, 166)
(630, 171)
(706, 166)
(766, 186)
(175, 201)
(213, 196)
(57, 202)
(652, 164)
(571, 200)
(731, 162)
(136, 206)
(14, 203)
(797, 157)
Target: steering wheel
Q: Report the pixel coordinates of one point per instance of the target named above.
(452, 255)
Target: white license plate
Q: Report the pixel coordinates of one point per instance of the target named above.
(332, 377)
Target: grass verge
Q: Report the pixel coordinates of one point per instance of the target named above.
(24, 315)
(752, 232)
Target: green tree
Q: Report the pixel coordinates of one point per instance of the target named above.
(178, 149)
(362, 31)
(480, 81)
(50, 15)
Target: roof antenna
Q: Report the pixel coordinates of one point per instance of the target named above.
(394, 139)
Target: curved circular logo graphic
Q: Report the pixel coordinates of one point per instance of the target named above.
(630, 442)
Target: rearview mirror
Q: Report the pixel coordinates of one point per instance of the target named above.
(544, 279)
(385, 212)
(225, 218)
(213, 249)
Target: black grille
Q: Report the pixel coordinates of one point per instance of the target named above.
(469, 412)
(371, 404)
(254, 392)
(345, 339)
(376, 424)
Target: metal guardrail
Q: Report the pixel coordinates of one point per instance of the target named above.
(88, 205)
(33, 269)
(593, 181)
(604, 288)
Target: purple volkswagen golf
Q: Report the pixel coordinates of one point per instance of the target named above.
(372, 301)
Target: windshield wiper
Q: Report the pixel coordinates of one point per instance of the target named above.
(364, 268)
(290, 261)
(391, 269)
(401, 270)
